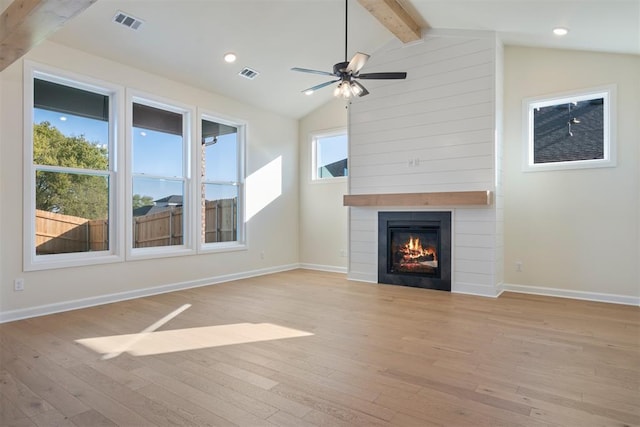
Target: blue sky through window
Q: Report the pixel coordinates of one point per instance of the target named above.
(331, 149)
(157, 153)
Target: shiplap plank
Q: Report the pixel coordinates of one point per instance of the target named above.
(475, 278)
(475, 254)
(435, 141)
(393, 136)
(409, 118)
(437, 158)
(477, 241)
(442, 103)
(416, 179)
(467, 266)
(392, 96)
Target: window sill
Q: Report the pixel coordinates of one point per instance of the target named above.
(78, 259)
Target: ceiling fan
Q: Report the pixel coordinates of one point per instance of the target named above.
(348, 72)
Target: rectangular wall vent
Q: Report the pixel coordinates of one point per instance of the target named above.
(248, 73)
(127, 20)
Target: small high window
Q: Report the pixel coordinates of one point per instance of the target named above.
(570, 131)
(330, 155)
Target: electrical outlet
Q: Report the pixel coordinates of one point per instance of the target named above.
(343, 253)
(18, 284)
(262, 255)
(518, 266)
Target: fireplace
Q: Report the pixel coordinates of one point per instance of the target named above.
(414, 249)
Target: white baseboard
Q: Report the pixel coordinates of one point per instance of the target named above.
(363, 277)
(42, 310)
(476, 289)
(320, 267)
(566, 293)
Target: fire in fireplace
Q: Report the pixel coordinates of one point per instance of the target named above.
(414, 249)
(414, 252)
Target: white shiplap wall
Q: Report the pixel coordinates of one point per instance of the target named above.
(434, 131)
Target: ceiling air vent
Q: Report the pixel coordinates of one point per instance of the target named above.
(127, 20)
(248, 73)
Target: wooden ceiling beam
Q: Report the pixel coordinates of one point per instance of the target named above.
(395, 18)
(25, 23)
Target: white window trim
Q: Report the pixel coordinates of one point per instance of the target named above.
(31, 261)
(188, 112)
(314, 136)
(241, 242)
(608, 93)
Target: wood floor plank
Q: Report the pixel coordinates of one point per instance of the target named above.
(204, 395)
(378, 355)
(10, 413)
(153, 411)
(29, 403)
(184, 407)
(272, 400)
(92, 418)
(327, 406)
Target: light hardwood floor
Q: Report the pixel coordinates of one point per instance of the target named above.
(379, 355)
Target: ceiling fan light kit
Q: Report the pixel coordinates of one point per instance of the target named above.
(348, 71)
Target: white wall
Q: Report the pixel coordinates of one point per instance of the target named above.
(274, 230)
(575, 231)
(444, 115)
(323, 219)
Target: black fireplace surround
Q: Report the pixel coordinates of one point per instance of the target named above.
(414, 249)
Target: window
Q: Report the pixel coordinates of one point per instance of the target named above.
(82, 210)
(329, 155)
(159, 175)
(570, 131)
(221, 182)
(70, 183)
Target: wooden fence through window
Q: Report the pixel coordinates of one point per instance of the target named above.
(57, 233)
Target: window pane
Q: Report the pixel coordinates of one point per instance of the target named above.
(569, 131)
(157, 141)
(157, 212)
(72, 213)
(220, 213)
(71, 126)
(331, 156)
(71, 141)
(157, 153)
(221, 152)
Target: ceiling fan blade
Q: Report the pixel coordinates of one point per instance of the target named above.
(383, 76)
(363, 89)
(321, 85)
(306, 70)
(357, 62)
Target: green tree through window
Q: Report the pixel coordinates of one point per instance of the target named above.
(76, 194)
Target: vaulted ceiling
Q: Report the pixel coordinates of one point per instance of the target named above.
(185, 40)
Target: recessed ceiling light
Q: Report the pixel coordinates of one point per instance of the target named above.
(308, 92)
(559, 31)
(230, 57)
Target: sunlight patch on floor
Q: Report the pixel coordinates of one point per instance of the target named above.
(159, 342)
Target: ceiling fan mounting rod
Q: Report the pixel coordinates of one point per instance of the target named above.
(346, 31)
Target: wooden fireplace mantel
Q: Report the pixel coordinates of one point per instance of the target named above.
(447, 198)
